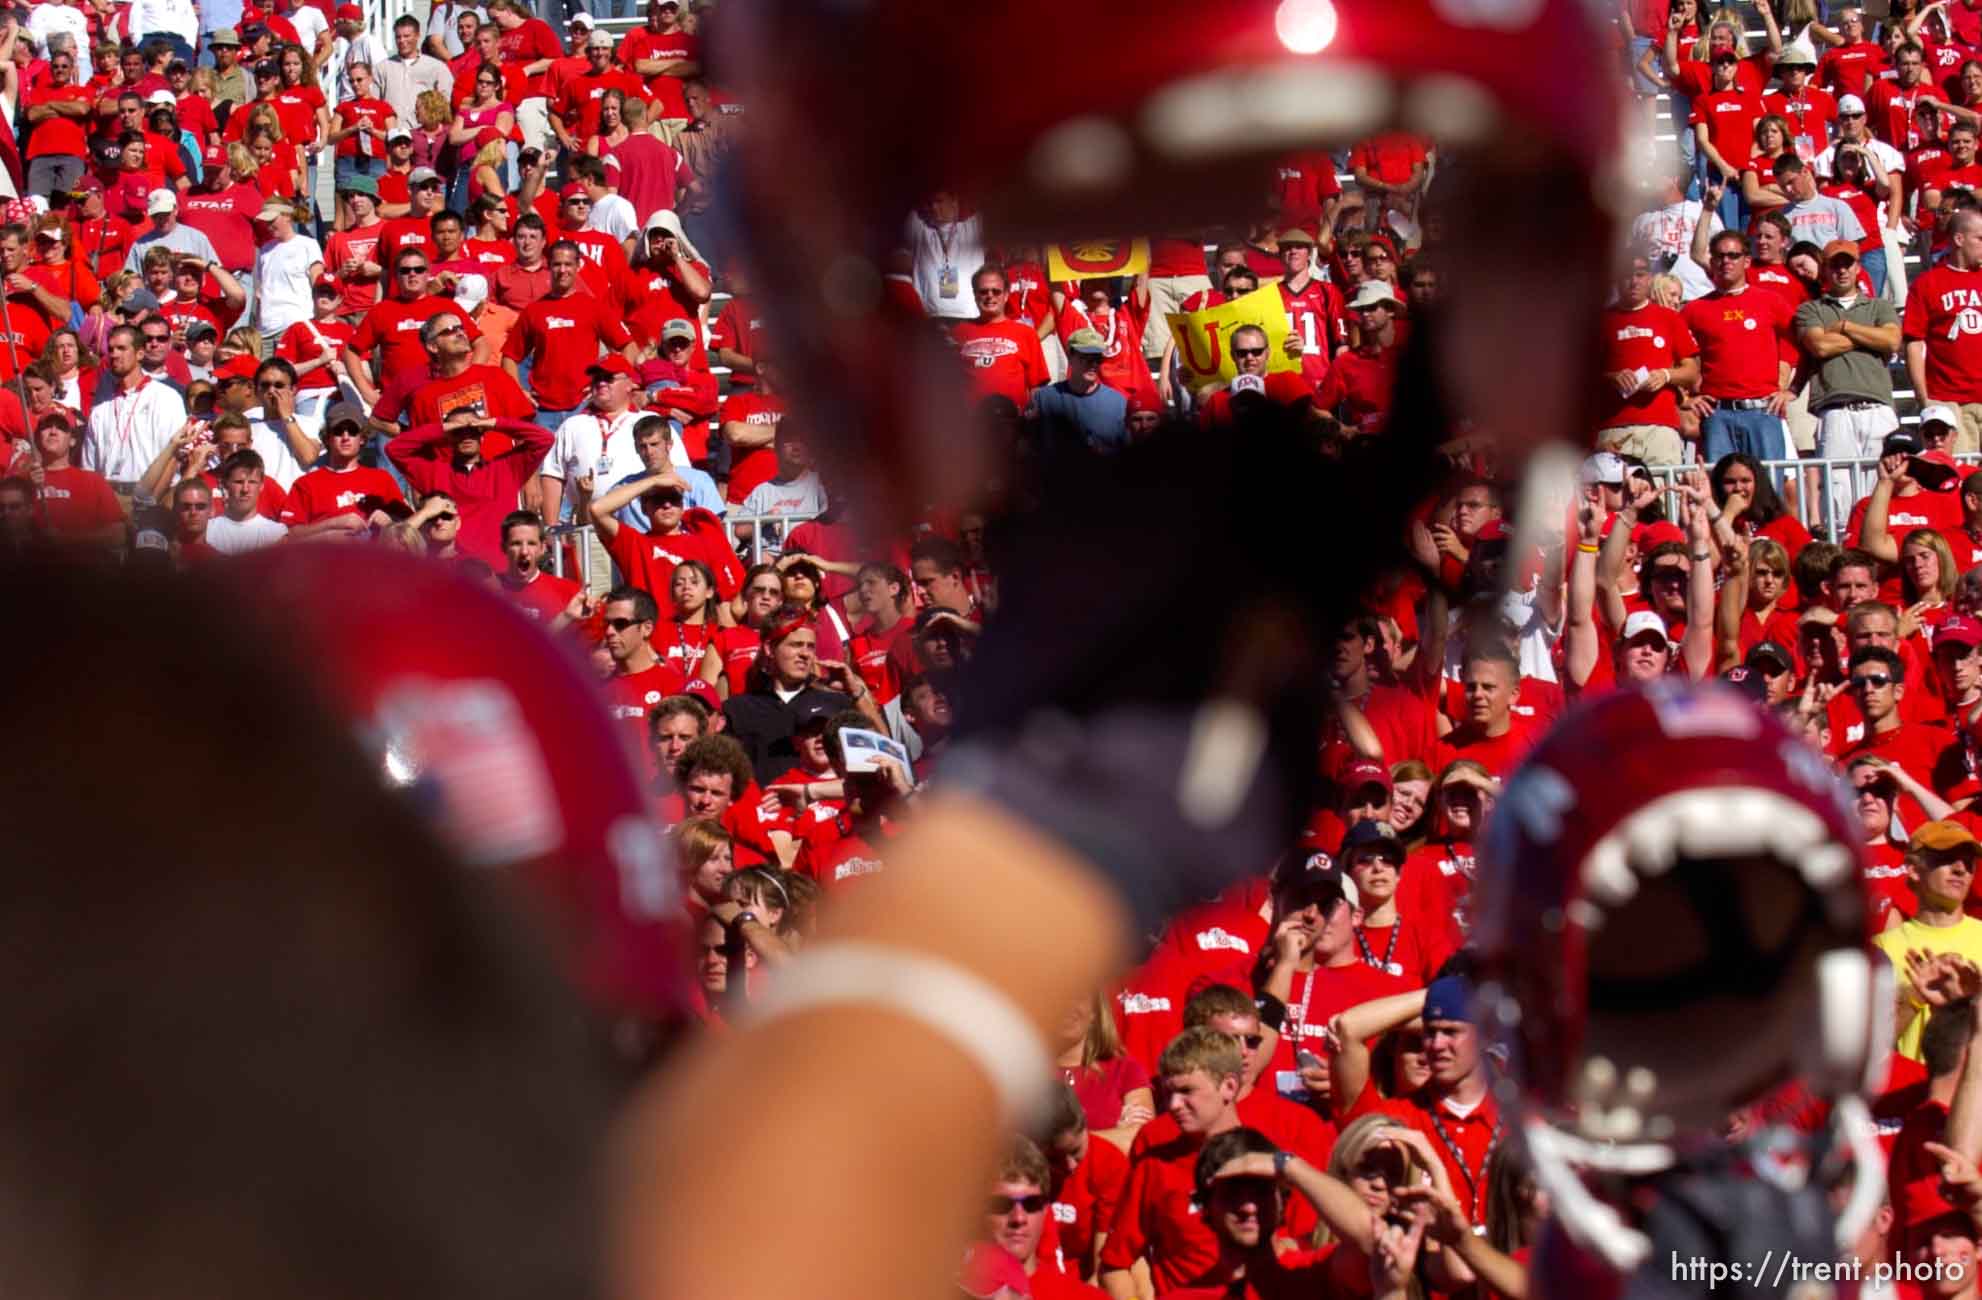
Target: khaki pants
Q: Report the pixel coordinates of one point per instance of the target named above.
(1801, 425)
(1895, 267)
(533, 119)
(1969, 436)
(1167, 295)
(1655, 444)
(599, 579)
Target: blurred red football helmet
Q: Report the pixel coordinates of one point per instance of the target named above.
(1670, 920)
(1162, 117)
(478, 716)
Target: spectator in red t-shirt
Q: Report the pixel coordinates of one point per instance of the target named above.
(1359, 381)
(339, 495)
(72, 504)
(1492, 683)
(447, 457)
(561, 335)
(1650, 358)
(541, 595)
(1113, 1088)
(58, 112)
(1157, 1222)
(1942, 327)
(1847, 68)
(1745, 375)
(1001, 356)
(1288, 388)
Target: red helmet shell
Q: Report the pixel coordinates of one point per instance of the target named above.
(485, 721)
(1697, 769)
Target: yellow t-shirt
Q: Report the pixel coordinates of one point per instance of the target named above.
(1963, 938)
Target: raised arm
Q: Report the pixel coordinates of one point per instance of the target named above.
(1874, 537)
(604, 508)
(1732, 603)
(1348, 1036)
(1696, 649)
(1579, 633)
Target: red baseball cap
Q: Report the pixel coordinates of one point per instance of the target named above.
(354, 13)
(1958, 630)
(573, 191)
(1649, 535)
(612, 364)
(1934, 470)
(1364, 772)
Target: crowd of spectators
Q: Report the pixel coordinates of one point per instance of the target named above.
(287, 283)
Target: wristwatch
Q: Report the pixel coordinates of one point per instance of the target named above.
(1281, 1159)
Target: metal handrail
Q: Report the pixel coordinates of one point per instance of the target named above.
(1843, 482)
(763, 540)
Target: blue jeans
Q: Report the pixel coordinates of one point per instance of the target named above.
(356, 165)
(551, 420)
(1874, 262)
(1634, 51)
(1756, 432)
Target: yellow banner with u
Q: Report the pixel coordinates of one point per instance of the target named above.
(1204, 347)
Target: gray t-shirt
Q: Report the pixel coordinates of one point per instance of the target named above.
(1820, 220)
(182, 239)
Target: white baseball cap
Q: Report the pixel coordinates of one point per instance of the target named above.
(1605, 467)
(1642, 622)
(162, 200)
(1942, 413)
(1371, 292)
(1851, 104)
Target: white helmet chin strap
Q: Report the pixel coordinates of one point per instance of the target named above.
(1590, 1223)
(1852, 992)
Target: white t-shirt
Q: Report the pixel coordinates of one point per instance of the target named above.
(590, 443)
(50, 17)
(230, 538)
(1882, 153)
(309, 22)
(282, 282)
(278, 461)
(946, 256)
(613, 215)
(1668, 231)
(127, 431)
(1534, 645)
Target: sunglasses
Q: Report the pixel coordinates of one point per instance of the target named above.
(413, 270)
(1032, 1204)
(621, 624)
(1871, 682)
(1252, 1041)
(1248, 352)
